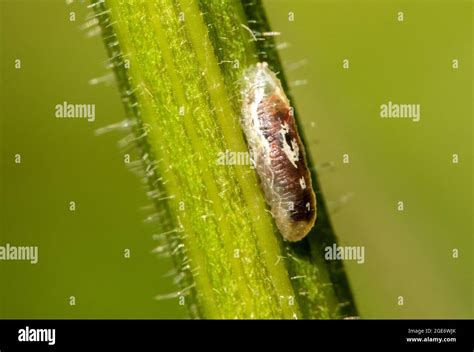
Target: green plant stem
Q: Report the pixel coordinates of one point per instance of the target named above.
(179, 64)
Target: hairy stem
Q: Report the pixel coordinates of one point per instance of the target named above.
(179, 64)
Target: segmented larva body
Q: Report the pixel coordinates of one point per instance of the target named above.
(277, 152)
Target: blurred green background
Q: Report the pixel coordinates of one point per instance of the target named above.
(407, 253)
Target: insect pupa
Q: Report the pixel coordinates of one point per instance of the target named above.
(277, 152)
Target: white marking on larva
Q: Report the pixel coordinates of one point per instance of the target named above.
(292, 152)
(302, 183)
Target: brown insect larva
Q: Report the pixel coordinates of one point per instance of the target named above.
(277, 152)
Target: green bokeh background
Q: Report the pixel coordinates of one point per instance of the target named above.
(407, 253)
